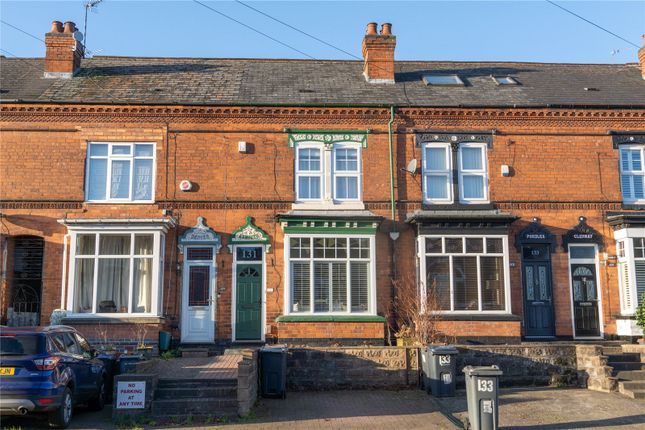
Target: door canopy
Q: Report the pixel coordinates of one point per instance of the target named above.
(249, 234)
(201, 235)
(582, 233)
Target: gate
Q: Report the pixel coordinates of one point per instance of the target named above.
(27, 280)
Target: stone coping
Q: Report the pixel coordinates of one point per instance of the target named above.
(112, 320)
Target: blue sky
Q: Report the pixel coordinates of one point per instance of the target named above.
(425, 30)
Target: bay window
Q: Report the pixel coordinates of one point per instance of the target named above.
(465, 274)
(333, 275)
(631, 270)
(120, 172)
(115, 272)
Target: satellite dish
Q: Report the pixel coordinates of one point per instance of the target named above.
(411, 168)
(78, 36)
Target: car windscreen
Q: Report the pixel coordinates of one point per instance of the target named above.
(19, 344)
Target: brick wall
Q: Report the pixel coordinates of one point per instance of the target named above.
(330, 332)
(555, 178)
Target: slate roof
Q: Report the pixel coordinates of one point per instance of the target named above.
(312, 82)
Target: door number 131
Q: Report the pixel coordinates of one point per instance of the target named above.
(485, 385)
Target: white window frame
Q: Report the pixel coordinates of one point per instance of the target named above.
(288, 293)
(631, 173)
(627, 236)
(328, 174)
(422, 254)
(110, 158)
(156, 271)
(483, 172)
(447, 173)
(313, 173)
(347, 173)
(590, 261)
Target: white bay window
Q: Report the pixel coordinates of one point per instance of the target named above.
(631, 271)
(330, 275)
(115, 272)
(466, 274)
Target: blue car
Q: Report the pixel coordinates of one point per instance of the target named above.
(48, 371)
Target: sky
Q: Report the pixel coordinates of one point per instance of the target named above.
(426, 30)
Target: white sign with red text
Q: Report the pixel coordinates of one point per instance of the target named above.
(131, 395)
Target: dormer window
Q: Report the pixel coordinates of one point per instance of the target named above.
(504, 80)
(443, 80)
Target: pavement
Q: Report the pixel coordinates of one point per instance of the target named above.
(520, 409)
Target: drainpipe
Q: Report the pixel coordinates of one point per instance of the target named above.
(394, 235)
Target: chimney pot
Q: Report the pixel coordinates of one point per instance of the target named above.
(371, 28)
(57, 27)
(378, 54)
(70, 27)
(386, 29)
(63, 53)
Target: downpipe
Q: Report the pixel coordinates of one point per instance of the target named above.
(394, 234)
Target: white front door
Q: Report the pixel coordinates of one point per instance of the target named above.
(198, 297)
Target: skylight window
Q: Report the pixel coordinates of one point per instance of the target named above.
(504, 80)
(451, 80)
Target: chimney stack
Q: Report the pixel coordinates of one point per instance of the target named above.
(64, 50)
(378, 54)
(641, 58)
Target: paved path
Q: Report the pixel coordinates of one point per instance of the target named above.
(538, 409)
(216, 367)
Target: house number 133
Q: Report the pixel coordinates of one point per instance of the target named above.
(485, 385)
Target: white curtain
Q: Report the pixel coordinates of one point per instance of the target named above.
(114, 274)
(120, 185)
(83, 285)
(142, 285)
(142, 180)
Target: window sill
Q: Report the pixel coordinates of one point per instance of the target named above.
(634, 206)
(119, 202)
(320, 205)
(478, 317)
(330, 318)
(102, 319)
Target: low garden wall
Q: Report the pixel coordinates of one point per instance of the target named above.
(332, 368)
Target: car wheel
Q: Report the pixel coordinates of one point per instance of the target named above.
(98, 402)
(61, 417)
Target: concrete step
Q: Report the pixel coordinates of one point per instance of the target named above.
(632, 385)
(224, 391)
(194, 352)
(635, 392)
(196, 383)
(628, 365)
(631, 375)
(633, 357)
(612, 350)
(196, 407)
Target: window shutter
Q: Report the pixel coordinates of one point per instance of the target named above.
(640, 281)
(301, 298)
(626, 286)
(359, 273)
(321, 287)
(339, 287)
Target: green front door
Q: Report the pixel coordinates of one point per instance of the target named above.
(248, 302)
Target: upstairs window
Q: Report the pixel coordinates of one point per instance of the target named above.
(441, 168)
(632, 174)
(328, 173)
(437, 173)
(120, 172)
(473, 180)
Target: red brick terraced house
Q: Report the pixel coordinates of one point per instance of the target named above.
(250, 200)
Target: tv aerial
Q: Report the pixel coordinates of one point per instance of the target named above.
(89, 5)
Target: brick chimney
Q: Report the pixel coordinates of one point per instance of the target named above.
(641, 58)
(63, 50)
(378, 54)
